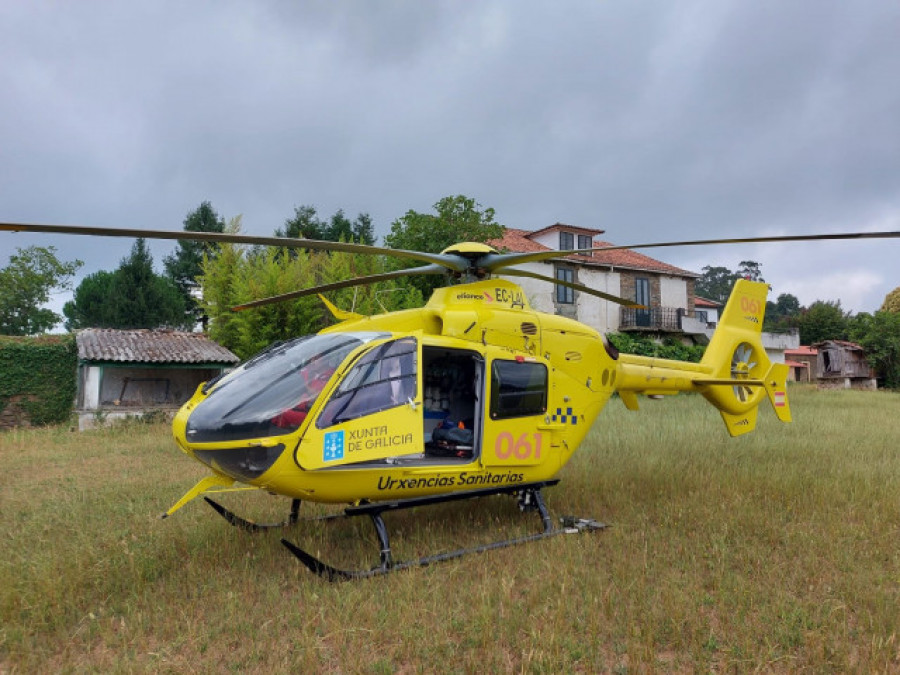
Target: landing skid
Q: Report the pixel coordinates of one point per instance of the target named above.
(249, 525)
(530, 498)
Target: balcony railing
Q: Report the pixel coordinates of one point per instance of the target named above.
(655, 318)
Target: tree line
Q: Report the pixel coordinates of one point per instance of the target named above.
(201, 282)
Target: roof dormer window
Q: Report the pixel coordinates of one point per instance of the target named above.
(566, 241)
(584, 241)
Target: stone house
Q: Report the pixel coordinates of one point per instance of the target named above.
(666, 291)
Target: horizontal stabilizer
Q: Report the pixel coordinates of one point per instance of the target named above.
(709, 381)
(741, 423)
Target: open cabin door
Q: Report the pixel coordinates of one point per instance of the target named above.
(374, 413)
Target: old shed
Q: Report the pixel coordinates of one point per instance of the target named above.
(125, 373)
(842, 364)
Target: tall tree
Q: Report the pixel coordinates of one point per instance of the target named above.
(238, 275)
(184, 265)
(133, 296)
(715, 284)
(751, 270)
(456, 219)
(823, 320)
(25, 285)
(306, 224)
(892, 301)
(879, 335)
(782, 314)
(90, 305)
(340, 228)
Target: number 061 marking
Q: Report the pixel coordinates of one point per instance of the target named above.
(751, 305)
(507, 446)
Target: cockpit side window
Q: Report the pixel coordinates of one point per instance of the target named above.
(518, 389)
(271, 394)
(383, 378)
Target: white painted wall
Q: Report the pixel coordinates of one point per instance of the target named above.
(548, 239)
(539, 293)
(92, 387)
(712, 313)
(673, 292)
(595, 312)
(590, 310)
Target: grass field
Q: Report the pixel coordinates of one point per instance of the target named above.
(779, 551)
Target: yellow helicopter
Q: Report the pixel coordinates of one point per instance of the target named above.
(473, 394)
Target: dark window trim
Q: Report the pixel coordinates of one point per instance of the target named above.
(564, 294)
(533, 407)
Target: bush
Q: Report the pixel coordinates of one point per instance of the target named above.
(668, 348)
(40, 374)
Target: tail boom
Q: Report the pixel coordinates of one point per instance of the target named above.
(735, 374)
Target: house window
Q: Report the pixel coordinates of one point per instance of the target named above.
(564, 294)
(642, 297)
(584, 241)
(566, 241)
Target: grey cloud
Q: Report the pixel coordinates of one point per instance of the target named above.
(652, 120)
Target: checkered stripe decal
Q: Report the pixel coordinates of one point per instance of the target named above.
(566, 418)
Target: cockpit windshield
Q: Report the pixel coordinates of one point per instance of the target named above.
(271, 393)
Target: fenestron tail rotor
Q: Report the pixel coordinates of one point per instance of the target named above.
(742, 367)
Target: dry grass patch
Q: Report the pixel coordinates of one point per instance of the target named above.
(777, 551)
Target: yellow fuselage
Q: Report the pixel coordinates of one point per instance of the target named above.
(487, 329)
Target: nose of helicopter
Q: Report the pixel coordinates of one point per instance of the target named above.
(244, 464)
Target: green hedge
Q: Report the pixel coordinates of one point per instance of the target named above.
(42, 371)
(643, 345)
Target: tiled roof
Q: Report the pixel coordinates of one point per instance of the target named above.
(802, 350)
(149, 346)
(567, 228)
(852, 346)
(519, 241)
(703, 302)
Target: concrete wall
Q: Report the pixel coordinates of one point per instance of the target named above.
(673, 292)
(589, 309)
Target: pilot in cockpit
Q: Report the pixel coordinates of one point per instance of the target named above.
(315, 376)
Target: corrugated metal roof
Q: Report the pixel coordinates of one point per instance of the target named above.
(149, 346)
(852, 346)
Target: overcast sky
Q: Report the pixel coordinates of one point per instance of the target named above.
(655, 121)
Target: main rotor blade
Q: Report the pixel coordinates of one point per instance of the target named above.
(450, 262)
(357, 281)
(496, 261)
(578, 287)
